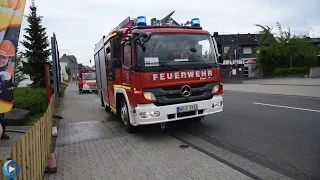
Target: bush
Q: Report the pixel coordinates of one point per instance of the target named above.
(64, 83)
(290, 71)
(32, 99)
(62, 90)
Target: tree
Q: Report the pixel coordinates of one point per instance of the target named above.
(18, 73)
(284, 51)
(37, 50)
(266, 35)
(68, 71)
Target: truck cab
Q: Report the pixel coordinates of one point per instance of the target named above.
(88, 78)
(158, 74)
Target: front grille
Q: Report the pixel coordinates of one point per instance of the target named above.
(172, 94)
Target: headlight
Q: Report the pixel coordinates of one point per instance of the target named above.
(149, 114)
(217, 104)
(215, 89)
(149, 96)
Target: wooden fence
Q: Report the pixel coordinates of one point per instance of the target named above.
(32, 150)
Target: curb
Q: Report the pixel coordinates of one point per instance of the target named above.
(264, 93)
(314, 85)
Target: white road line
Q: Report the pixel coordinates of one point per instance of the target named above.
(288, 107)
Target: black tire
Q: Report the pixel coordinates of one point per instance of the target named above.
(107, 108)
(124, 115)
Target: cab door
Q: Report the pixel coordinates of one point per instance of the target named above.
(126, 65)
(113, 55)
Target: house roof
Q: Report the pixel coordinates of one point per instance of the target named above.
(72, 58)
(314, 40)
(239, 38)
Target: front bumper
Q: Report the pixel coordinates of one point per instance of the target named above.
(90, 88)
(169, 113)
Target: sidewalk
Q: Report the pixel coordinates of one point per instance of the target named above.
(93, 145)
(309, 87)
(285, 81)
(5, 145)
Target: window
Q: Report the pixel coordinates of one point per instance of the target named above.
(115, 48)
(226, 49)
(177, 51)
(247, 50)
(108, 57)
(127, 55)
(89, 76)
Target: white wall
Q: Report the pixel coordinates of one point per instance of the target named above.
(64, 75)
(314, 72)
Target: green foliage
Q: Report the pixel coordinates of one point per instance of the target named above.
(266, 35)
(32, 99)
(63, 88)
(226, 56)
(290, 71)
(37, 48)
(286, 52)
(68, 71)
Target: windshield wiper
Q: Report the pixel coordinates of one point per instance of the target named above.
(167, 65)
(208, 65)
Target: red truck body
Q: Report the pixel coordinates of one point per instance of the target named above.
(145, 87)
(88, 77)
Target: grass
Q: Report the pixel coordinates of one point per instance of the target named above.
(34, 119)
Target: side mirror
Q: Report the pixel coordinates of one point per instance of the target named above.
(116, 64)
(220, 59)
(108, 50)
(146, 37)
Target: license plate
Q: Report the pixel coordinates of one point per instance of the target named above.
(187, 108)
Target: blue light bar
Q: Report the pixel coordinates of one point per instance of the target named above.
(141, 21)
(195, 22)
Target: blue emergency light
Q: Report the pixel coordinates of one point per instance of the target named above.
(195, 22)
(141, 21)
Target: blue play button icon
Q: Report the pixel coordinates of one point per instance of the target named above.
(11, 169)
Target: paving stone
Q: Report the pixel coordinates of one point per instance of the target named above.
(90, 145)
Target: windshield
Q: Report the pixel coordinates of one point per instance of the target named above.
(177, 51)
(88, 76)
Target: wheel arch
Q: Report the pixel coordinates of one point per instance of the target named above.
(121, 93)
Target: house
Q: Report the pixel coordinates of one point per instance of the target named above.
(72, 63)
(239, 46)
(63, 71)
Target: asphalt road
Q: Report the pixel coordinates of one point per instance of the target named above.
(280, 132)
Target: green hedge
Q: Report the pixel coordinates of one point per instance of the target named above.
(32, 99)
(290, 71)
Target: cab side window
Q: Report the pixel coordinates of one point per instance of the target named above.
(127, 55)
(115, 48)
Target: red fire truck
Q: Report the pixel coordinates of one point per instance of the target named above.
(88, 77)
(158, 73)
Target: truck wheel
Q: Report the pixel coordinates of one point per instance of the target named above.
(107, 108)
(124, 114)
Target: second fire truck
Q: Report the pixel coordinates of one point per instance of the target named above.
(158, 73)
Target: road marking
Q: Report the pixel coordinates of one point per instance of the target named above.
(288, 107)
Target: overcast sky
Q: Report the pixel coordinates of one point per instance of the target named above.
(80, 24)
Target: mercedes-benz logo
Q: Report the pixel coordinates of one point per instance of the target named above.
(185, 90)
